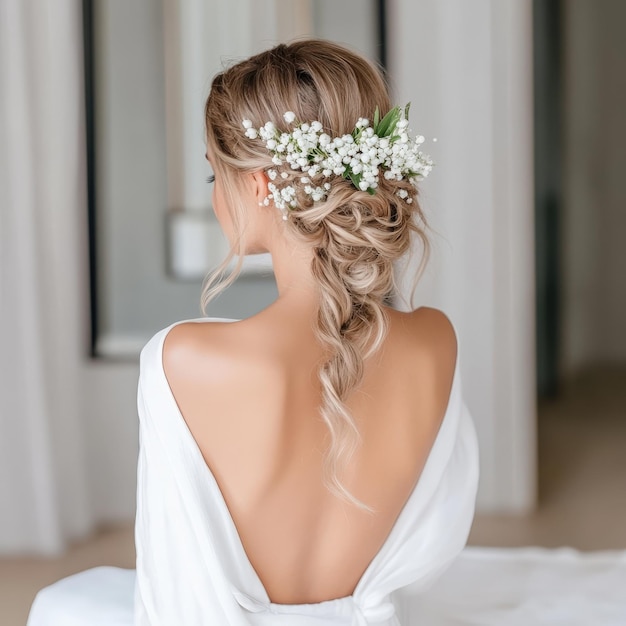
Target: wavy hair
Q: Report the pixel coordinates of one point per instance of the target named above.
(356, 237)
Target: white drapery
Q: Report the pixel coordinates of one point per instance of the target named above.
(43, 272)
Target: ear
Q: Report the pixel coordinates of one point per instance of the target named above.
(259, 182)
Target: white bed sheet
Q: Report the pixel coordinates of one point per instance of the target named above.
(527, 586)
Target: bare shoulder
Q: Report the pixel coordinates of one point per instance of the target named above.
(212, 356)
(434, 354)
(190, 349)
(186, 338)
(434, 332)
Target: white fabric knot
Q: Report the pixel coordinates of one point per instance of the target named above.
(362, 615)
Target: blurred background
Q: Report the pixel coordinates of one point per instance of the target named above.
(106, 232)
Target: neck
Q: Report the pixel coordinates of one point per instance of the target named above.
(297, 288)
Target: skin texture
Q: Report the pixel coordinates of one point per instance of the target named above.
(249, 394)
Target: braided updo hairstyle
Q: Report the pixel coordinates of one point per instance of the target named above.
(356, 237)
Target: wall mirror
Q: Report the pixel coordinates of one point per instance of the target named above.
(153, 235)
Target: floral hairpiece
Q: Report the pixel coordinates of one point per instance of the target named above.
(358, 156)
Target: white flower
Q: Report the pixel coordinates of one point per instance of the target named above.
(324, 140)
(362, 153)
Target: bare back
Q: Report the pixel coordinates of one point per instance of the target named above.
(249, 393)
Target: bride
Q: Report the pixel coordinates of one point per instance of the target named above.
(313, 464)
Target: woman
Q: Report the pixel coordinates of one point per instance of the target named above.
(314, 463)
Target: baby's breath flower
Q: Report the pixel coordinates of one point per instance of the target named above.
(359, 157)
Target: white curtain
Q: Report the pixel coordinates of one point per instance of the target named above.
(43, 276)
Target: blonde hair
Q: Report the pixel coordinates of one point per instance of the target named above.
(356, 237)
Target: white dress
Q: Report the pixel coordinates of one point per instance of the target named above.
(192, 569)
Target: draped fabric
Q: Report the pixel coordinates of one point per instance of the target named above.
(192, 568)
(184, 531)
(43, 270)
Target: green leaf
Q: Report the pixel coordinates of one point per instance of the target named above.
(355, 178)
(376, 118)
(388, 123)
(406, 110)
